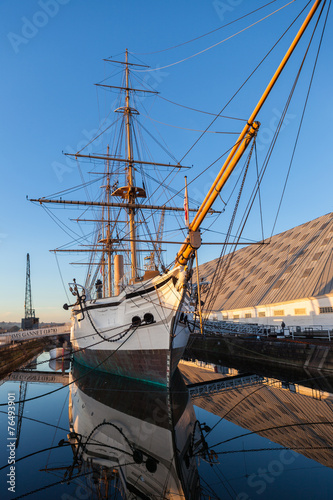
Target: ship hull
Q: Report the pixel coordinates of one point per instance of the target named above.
(113, 336)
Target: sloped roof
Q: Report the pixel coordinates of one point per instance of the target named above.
(295, 264)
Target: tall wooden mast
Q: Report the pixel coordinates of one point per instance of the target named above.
(131, 192)
(108, 227)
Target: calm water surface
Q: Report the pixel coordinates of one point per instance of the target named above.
(81, 434)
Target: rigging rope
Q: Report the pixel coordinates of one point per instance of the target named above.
(214, 45)
(62, 280)
(243, 84)
(200, 36)
(180, 191)
(221, 278)
(304, 109)
(201, 111)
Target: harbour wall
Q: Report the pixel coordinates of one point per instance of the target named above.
(278, 352)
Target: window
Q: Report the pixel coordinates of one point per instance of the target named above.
(314, 224)
(224, 316)
(317, 255)
(278, 312)
(261, 314)
(324, 310)
(300, 311)
(236, 316)
(307, 272)
(262, 275)
(248, 315)
(290, 269)
(278, 284)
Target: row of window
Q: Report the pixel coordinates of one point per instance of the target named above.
(324, 310)
(300, 311)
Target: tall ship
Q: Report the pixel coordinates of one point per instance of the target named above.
(134, 314)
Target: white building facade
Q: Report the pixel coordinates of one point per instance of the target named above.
(289, 279)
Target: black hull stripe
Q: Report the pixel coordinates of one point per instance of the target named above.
(101, 306)
(147, 290)
(128, 296)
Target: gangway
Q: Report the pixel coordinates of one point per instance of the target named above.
(232, 328)
(219, 385)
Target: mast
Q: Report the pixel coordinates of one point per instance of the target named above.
(108, 229)
(249, 131)
(125, 196)
(131, 192)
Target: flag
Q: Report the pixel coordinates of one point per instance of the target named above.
(187, 221)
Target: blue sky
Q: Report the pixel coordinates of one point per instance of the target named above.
(52, 54)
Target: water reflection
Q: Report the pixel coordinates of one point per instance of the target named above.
(59, 359)
(270, 434)
(133, 437)
(290, 414)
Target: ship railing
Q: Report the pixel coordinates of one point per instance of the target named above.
(311, 332)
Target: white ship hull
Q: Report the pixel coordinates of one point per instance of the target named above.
(140, 334)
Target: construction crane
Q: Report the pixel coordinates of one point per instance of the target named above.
(29, 322)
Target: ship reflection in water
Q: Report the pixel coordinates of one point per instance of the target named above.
(215, 433)
(137, 438)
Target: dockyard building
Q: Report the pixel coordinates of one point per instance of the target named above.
(289, 279)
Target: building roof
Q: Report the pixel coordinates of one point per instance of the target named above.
(293, 265)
